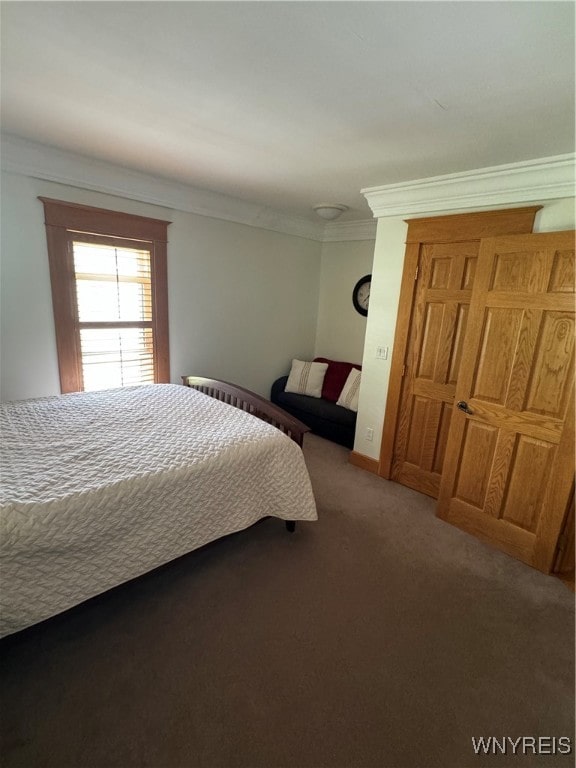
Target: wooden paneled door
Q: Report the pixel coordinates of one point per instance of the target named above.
(445, 278)
(439, 271)
(509, 466)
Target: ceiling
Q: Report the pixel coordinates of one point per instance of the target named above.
(290, 104)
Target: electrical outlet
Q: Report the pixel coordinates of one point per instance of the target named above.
(369, 434)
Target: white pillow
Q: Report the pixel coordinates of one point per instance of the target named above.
(306, 378)
(349, 395)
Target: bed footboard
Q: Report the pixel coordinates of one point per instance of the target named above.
(251, 403)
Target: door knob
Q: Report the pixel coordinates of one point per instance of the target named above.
(463, 406)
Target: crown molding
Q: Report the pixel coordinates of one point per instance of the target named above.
(531, 181)
(40, 161)
(340, 231)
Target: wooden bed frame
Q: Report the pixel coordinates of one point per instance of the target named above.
(251, 403)
(254, 404)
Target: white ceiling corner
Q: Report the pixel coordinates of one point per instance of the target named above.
(50, 164)
(338, 231)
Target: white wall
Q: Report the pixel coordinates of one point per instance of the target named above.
(341, 329)
(387, 269)
(384, 295)
(242, 301)
(556, 215)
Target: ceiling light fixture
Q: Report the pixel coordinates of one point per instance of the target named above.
(330, 211)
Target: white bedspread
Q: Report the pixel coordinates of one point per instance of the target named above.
(100, 487)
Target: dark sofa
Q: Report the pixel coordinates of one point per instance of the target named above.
(321, 414)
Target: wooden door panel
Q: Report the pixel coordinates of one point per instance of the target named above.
(531, 464)
(526, 363)
(422, 413)
(440, 270)
(425, 363)
(510, 460)
(562, 277)
(426, 444)
(422, 446)
(511, 273)
(497, 487)
(528, 334)
(468, 273)
(442, 438)
(445, 280)
(512, 477)
(497, 345)
(478, 446)
(552, 374)
(434, 352)
(458, 342)
(499, 533)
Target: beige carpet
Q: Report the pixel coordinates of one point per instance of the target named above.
(379, 637)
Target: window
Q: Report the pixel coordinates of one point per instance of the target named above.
(109, 295)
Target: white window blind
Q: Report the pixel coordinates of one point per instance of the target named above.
(114, 310)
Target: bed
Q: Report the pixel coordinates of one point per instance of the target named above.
(101, 487)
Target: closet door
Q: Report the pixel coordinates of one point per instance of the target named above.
(439, 269)
(509, 465)
(444, 288)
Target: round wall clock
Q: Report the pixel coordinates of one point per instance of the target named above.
(361, 294)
